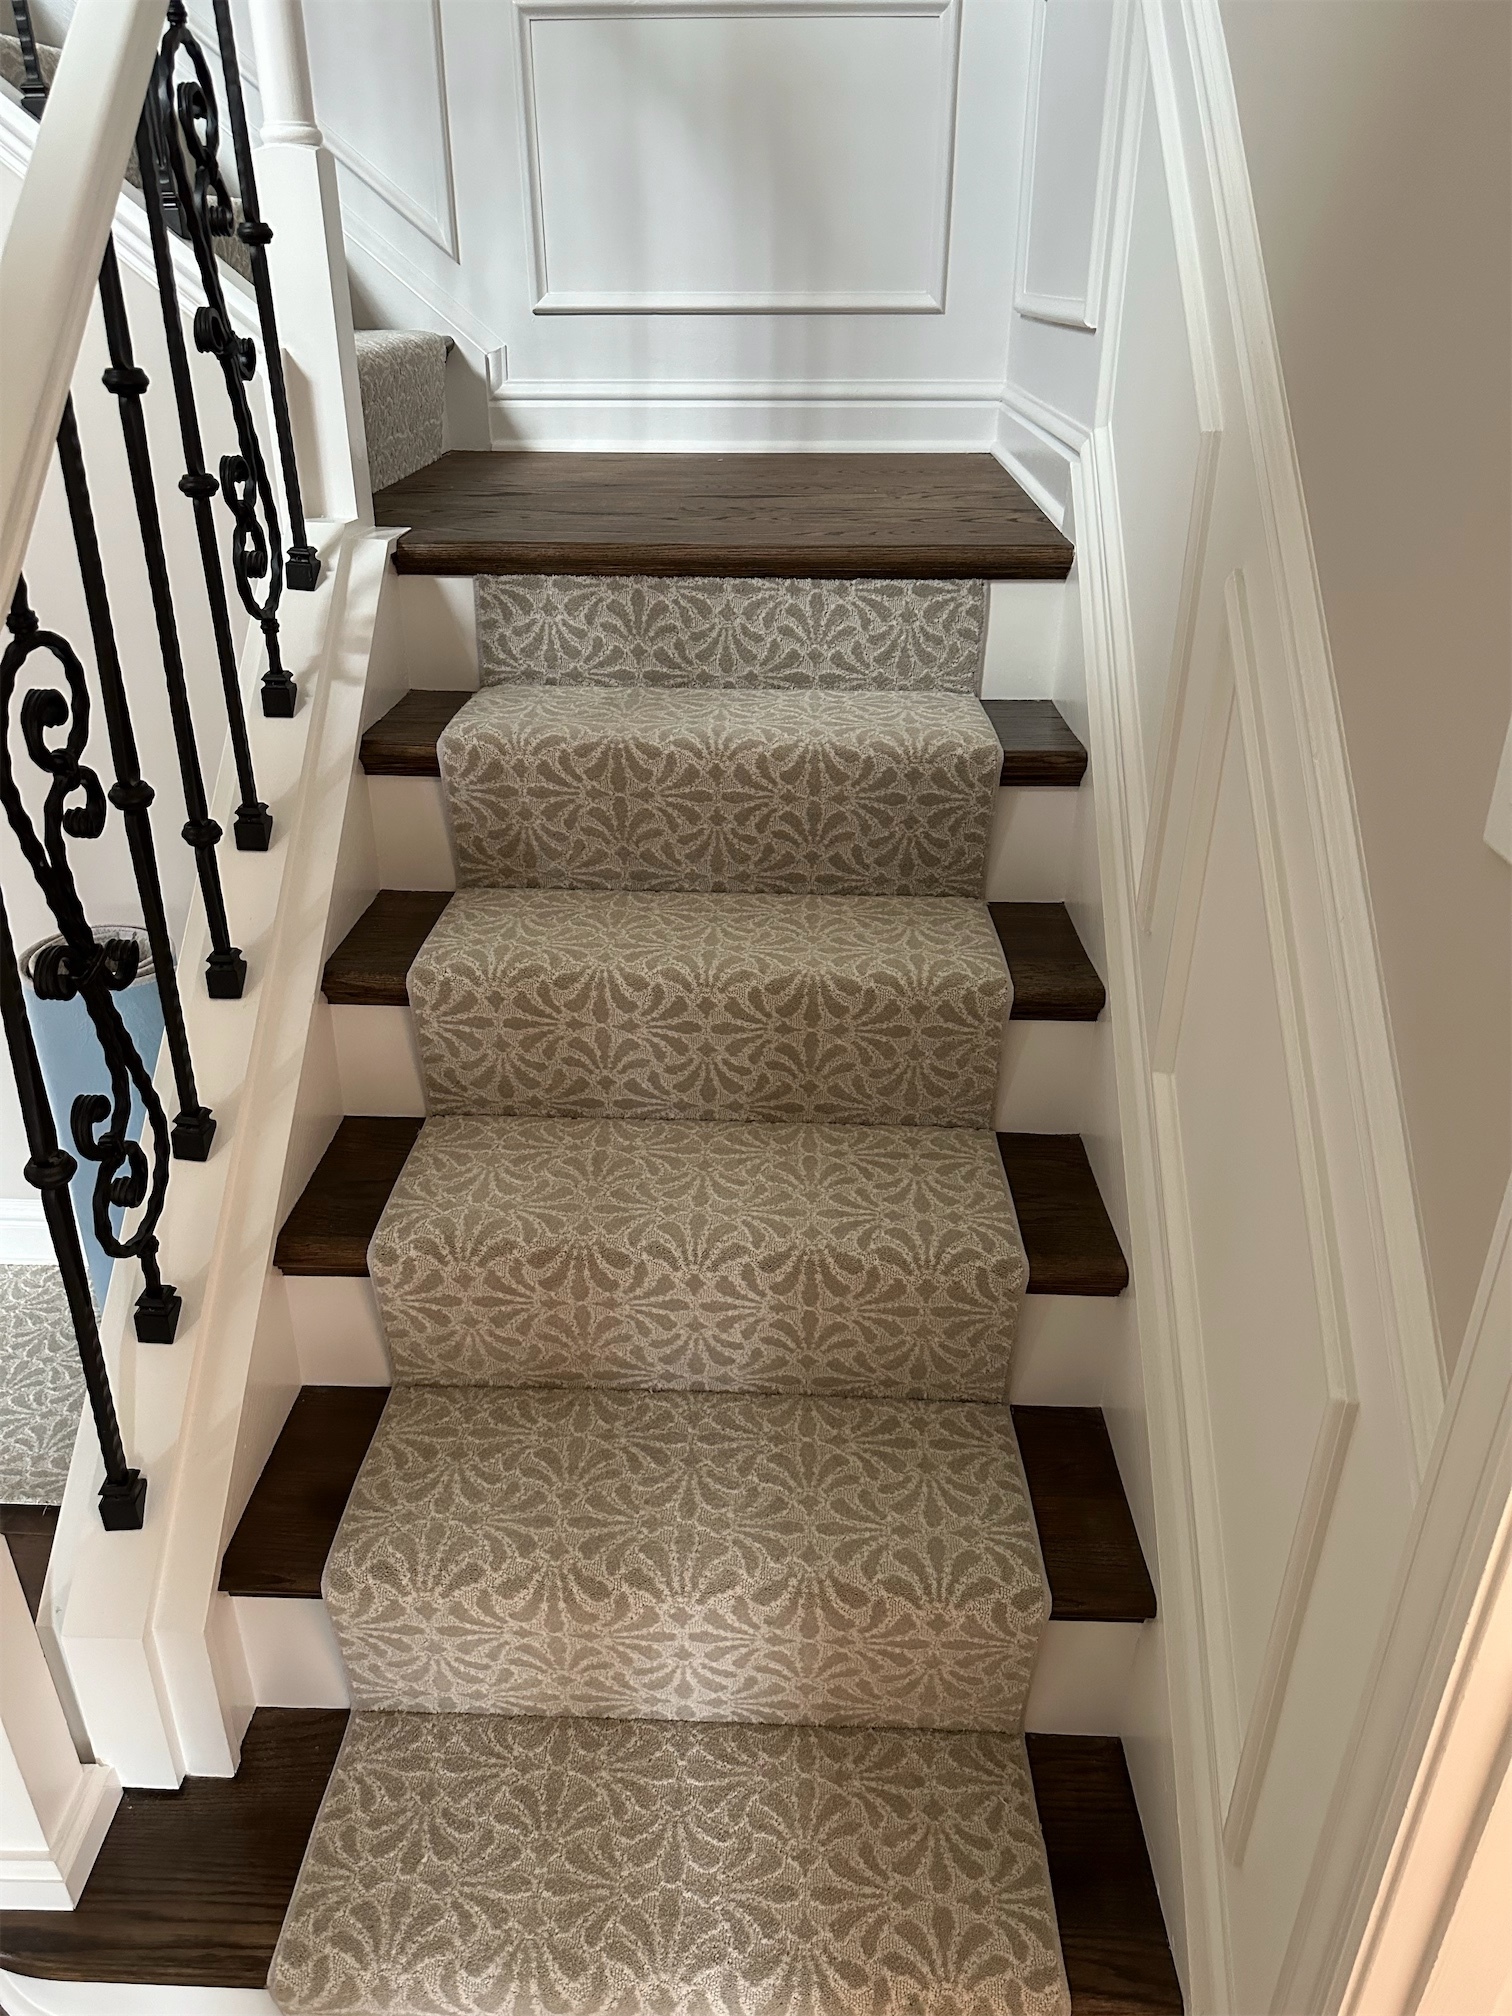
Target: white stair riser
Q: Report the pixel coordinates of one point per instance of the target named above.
(1028, 860)
(1078, 1689)
(1067, 1344)
(1044, 1079)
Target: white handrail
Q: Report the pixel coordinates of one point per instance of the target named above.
(50, 261)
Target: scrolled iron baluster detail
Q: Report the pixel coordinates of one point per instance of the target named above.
(50, 1169)
(183, 121)
(83, 967)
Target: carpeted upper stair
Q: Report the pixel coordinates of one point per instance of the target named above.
(690, 1591)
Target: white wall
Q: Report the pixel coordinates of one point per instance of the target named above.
(1380, 148)
(689, 224)
(1290, 1381)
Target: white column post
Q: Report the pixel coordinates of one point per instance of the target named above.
(296, 186)
(54, 1811)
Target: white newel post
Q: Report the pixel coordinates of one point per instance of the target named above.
(53, 1810)
(296, 186)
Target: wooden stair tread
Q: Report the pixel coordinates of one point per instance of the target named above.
(282, 1539)
(1053, 979)
(328, 1230)
(1092, 1555)
(403, 742)
(1112, 1931)
(1093, 1560)
(806, 517)
(1069, 1238)
(29, 1532)
(1038, 746)
(190, 1887)
(369, 966)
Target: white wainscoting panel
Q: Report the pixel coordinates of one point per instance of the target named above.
(1067, 186)
(704, 156)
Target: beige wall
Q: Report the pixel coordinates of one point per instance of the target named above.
(1377, 133)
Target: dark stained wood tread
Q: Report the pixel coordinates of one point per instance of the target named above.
(282, 1539)
(1093, 1560)
(1053, 979)
(1092, 1555)
(29, 1532)
(809, 517)
(338, 1210)
(190, 1887)
(1038, 746)
(403, 742)
(1069, 1238)
(368, 967)
(1112, 1931)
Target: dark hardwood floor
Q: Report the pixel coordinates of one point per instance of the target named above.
(29, 1531)
(1112, 1930)
(328, 1230)
(1038, 747)
(1053, 979)
(1069, 1238)
(813, 517)
(191, 1887)
(1093, 1560)
(368, 967)
(281, 1542)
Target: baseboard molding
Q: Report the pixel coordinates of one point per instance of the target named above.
(732, 418)
(24, 1238)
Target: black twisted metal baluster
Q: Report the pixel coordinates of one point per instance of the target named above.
(225, 968)
(185, 122)
(304, 561)
(33, 89)
(132, 795)
(82, 966)
(50, 1169)
(254, 822)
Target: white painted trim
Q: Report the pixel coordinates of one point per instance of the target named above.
(1499, 816)
(1084, 310)
(1401, 1258)
(24, 1237)
(546, 300)
(1361, 1874)
(25, 1996)
(731, 418)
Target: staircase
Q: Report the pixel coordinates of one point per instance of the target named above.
(691, 1577)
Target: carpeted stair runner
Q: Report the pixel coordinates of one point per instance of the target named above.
(874, 1009)
(882, 1260)
(402, 377)
(690, 1590)
(640, 788)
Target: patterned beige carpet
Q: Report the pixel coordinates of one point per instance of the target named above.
(41, 1386)
(690, 1591)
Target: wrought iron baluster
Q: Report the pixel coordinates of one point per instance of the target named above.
(304, 561)
(254, 822)
(225, 968)
(82, 967)
(131, 794)
(50, 1169)
(33, 89)
(187, 123)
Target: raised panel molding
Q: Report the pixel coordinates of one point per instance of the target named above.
(1079, 308)
(879, 195)
(1244, 1740)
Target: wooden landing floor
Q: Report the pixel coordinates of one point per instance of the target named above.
(816, 517)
